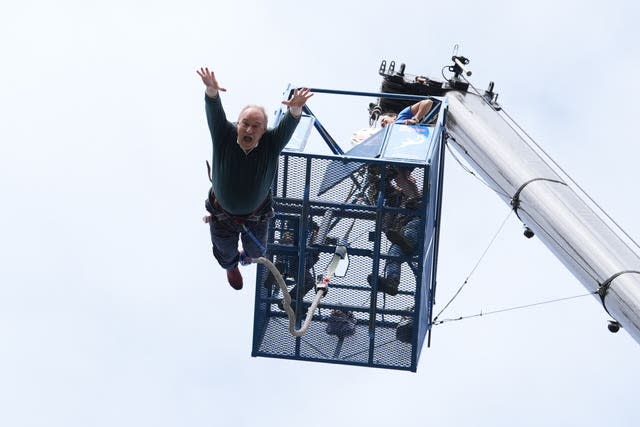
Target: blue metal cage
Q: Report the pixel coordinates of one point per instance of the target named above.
(322, 201)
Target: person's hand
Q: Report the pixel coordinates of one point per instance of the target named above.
(297, 100)
(209, 80)
(299, 97)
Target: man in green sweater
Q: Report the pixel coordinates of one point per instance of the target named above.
(244, 162)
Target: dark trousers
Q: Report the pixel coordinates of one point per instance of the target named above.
(227, 229)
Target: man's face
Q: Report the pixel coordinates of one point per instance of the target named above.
(251, 126)
(386, 120)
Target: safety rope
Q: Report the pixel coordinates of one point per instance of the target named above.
(286, 297)
(493, 239)
(439, 322)
(321, 286)
(287, 300)
(321, 290)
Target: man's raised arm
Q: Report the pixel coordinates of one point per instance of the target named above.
(297, 101)
(209, 80)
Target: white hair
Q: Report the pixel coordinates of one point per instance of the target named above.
(259, 107)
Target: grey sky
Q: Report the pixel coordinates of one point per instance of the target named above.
(112, 310)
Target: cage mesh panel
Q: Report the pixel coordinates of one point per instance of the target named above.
(356, 218)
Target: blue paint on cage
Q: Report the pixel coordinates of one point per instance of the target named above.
(365, 318)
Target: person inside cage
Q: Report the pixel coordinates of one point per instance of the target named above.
(402, 179)
(411, 115)
(403, 235)
(400, 229)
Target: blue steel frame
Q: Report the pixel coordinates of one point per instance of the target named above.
(433, 181)
(328, 139)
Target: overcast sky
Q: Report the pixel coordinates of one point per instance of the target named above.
(112, 309)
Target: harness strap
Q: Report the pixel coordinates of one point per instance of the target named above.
(238, 219)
